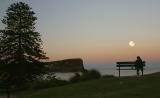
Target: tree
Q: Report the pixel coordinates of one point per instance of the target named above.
(20, 45)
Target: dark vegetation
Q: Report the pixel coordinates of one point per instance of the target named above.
(51, 81)
(147, 86)
(86, 75)
(20, 47)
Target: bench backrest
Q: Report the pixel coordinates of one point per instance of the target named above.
(128, 64)
(4, 85)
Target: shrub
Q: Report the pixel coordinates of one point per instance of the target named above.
(75, 78)
(91, 74)
(94, 74)
(86, 75)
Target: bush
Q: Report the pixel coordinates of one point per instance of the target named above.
(75, 78)
(94, 74)
(86, 75)
(91, 74)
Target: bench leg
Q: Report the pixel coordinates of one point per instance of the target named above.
(119, 71)
(7, 92)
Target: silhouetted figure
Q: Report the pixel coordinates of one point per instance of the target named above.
(139, 65)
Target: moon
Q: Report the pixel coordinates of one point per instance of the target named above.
(131, 43)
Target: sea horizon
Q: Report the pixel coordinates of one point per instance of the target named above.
(108, 70)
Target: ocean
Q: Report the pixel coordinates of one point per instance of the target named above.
(109, 71)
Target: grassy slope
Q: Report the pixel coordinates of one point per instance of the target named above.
(126, 87)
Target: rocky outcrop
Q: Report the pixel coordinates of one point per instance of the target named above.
(67, 65)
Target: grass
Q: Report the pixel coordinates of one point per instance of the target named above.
(147, 86)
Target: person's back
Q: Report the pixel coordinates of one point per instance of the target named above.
(139, 64)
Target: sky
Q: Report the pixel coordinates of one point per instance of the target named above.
(98, 31)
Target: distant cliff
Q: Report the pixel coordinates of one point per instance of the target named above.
(67, 65)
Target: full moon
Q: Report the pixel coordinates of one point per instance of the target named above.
(131, 43)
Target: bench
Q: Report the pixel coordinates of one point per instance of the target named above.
(130, 65)
(4, 89)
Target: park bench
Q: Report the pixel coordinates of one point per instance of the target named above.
(130, 65)
(4, 89)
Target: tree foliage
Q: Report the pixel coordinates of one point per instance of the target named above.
(20, 45)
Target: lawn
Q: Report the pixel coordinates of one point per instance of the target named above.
(147, 86)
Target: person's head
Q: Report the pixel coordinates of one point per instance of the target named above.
(138, 57)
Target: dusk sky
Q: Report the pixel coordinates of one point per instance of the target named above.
(98, 31)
